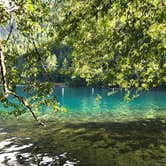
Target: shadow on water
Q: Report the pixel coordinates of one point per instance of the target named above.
(136, 143)
(31, 145)
(143, 133)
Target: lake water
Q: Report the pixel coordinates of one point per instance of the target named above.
(97, 130)
(84, 102)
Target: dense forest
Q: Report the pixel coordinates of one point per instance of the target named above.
(81, 43)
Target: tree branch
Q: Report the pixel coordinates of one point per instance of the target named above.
(10, 32)
(27, 105)
(45, 69)
(8, 92)
(37, 52)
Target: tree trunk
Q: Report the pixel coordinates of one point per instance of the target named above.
(7, 92)
(3, 72)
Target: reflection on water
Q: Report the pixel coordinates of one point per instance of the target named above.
(82, 103)
(140, 143)
(19, 151)
(110, 132)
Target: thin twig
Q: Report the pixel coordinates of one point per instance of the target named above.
(10, 33)
(45, 69)
(37, 52)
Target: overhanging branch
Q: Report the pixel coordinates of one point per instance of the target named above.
(7, 92)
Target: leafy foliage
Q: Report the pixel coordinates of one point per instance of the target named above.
(28, 22)
(119, 42)
(116, 43)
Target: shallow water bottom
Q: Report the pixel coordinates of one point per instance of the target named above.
(83, 142)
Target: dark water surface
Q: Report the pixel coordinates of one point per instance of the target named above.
(105, 132)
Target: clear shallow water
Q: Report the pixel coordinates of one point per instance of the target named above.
(95, 103)
(82, 102)
(110, 132)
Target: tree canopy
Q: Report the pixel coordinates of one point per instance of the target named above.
(121, 43)
(21, 58)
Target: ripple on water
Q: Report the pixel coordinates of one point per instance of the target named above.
(17, 150)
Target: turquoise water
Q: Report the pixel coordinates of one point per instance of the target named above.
(95, 103)
(93, 132)
(84, 102)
